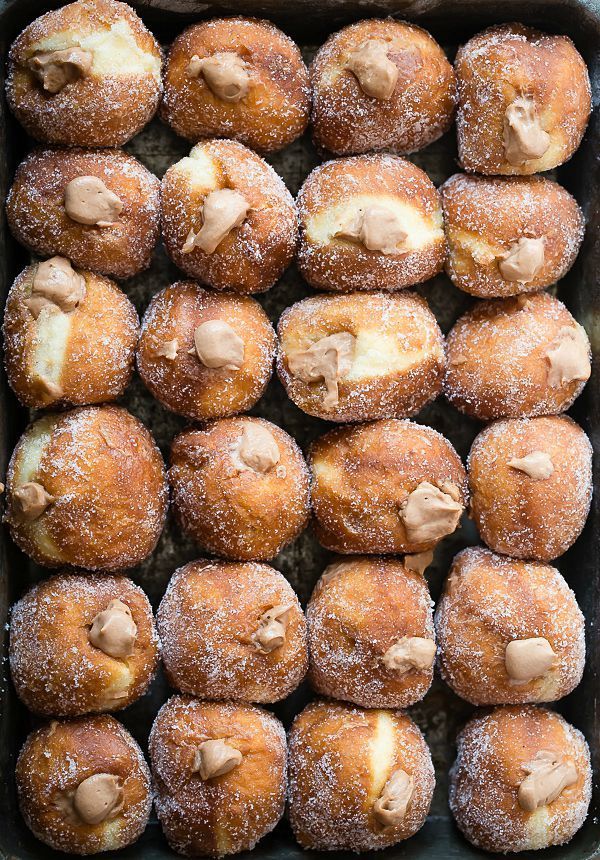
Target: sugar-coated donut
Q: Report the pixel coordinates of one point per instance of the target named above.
(371, 222)
(240, 78)
(358, 357)
(83, 785)
(240, 487)
(86, 488)
(508, 631)
(509, 235)
(524, 100)
(88, 74)
(69, 336)
(370, 633)
(232, 631)
(220, 775)
(381, 84)
(521, 781)
(359, 780)
(205, 354)
(516, 357)
(386, 487)
(531, 485)
(100, 208)
(82, 643)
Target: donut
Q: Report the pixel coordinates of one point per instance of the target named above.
(509, 632)
(86, 488)
(83, 785)
(381, 84)
(240, 487)
(361, 356)
(88, 74)
(204, 354)
(69, 336)
(524, 100)
(232, 631)
(541, 469)
(82, 643)
(99, 208)
(515, 358)
(373, 222)
(227, 218)
(220, 775)
(386, 487)
(239, 78)
(509, 235)
(521, 780)
(359, 780)
(370, 633)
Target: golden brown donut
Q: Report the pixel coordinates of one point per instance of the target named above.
(83, 785)
(521, 780)
(516, 357)
(359, 780)
(88, 74)
(232, 631)
(227, 218)
(541, 469)
(204, 354)
(81, 643)
(239, 78)
(381, 84)
(508, 631)
(358, 357)
(220, 775)
(240, 487)
(86, 488)
(370, 633)
(100, 208)
(373, 222)
(509, 235)
(386, 487)
(523, 100)
(69, 336)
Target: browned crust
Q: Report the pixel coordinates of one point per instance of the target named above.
(277, 108)
(37, 217)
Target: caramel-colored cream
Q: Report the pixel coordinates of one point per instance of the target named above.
(378, 228)
(524, 137)
(256, 449)
(523, 260)
(55, 69)
(272, 629)
(568, 358)
(218, 346)
(429, 514)
(223, 210)
(88, 201)
(376, 74)
(328, 359)
(215, 758)
(226, 75)
(114, 631)
(30, 500)
(418, 561)
(536, 465)
(55, 284)
(168, 349)
(548, 774)
(528, 659)
(408, 653)
(98, 797)
(391, 806)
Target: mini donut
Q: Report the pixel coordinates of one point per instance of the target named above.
(359, 780)
(381, 84)
(373, 222)
(69, 336)
(100, 208)
(83, 785)
(521, 781)
(508, 631)
(86, 488)
(541, 469)
(387, 487)
(240, 487)
(524, 100)
(370, 633)
(220, 775)
(82, 643)
(88, 74)
(232, 631)
(227, 218)
(509, 235)
(358, 357)
(239, 78)
(516, 357)
(204, 354)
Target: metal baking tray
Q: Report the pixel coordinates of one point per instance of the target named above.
(441, 713)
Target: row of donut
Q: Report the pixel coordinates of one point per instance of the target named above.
(89, 74)
(368, 222)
